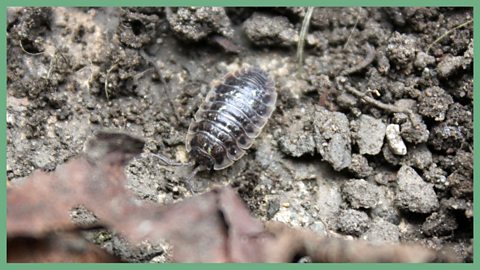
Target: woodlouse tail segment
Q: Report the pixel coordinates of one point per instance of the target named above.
(164, 160)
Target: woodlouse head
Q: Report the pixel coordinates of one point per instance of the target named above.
(201, 158)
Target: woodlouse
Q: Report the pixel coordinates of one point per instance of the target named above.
(231, 117)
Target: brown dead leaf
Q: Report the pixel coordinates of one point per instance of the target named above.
(211, 227)
(63, 247)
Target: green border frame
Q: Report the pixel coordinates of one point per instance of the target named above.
(12, 3)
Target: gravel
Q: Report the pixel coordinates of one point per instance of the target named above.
(414, 194)
(381, 231)
(369, 134)
(360, 193)
(395, 142)
(353, 222)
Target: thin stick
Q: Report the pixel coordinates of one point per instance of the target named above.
(351, 32)
(447, 33)
(364, 63)
(106, 80)
(53, 61)
(27, 52)
(383, 106)
(301, 38)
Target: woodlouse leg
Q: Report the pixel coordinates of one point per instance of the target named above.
(188, 180)
(170, 162)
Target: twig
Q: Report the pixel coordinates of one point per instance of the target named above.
(90, 79)
(301, 38)
(53, 61)
(364, 63)
(383, 106)
(51, 66)
(351, 32)
(138, 76)
(447, 33)
(106, 80)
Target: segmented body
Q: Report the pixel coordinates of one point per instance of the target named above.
(231, 117)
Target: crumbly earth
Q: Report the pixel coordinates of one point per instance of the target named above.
(321, 162)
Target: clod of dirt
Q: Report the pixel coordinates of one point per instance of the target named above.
(266, 30)
(33, 23)
(464, 161)
(447, 138)
(196, 23)
(462, 184)
(332, 137)
(418, 156)
(353, 222)
(414, 133)
(436, 176)
(383, 64)
(449, 65)
(297, 144)
(325, 18)
(434, 102)
(121, 73)
(460, 115)
(460, 205)
(395, 15)
(394, 140)
(369, 133)
(459, 161)
(401, 50)
(414, 194)
(384, 177)
(360, 193)
(297, 140)
(440, 224)
(317, 40)
(381, 231)
(416, 18)
(346, 101)
(455, 131)
(137, 29)
(359, 166)
(422, 60)
(387, 212)
(294, 213)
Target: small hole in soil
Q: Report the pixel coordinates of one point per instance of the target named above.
(137, 27)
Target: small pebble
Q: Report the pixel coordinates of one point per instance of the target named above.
(394, 140)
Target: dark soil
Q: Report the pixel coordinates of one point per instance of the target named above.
(322, 162)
